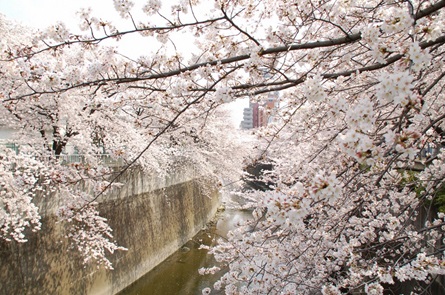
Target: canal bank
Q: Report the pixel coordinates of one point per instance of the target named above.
(178, 274)
(151, 215)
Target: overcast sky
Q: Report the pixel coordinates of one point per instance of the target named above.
(43, 13)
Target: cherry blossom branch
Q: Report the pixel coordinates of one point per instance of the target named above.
(170, 124)
(429, 10)
(238, 28)
(97, 40)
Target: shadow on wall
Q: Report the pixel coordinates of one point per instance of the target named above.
(152, 225)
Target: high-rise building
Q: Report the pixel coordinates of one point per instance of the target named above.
(260, 114)
(247, 122)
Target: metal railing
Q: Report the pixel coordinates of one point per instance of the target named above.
(67, 159)
(105, 159)
(11, 145)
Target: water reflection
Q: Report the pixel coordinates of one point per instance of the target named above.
(179, 273)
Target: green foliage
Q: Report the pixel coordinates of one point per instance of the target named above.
(410, 179)
(439, 199)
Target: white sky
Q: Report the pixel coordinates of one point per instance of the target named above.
(43, 13)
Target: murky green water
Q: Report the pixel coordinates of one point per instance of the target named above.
(179, 273)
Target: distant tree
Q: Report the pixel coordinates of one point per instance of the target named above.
(356, 147)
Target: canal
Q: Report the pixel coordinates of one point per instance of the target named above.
(178, 274)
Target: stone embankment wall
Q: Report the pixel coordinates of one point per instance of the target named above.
(151, 216)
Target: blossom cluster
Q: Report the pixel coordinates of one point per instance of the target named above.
(356, 147)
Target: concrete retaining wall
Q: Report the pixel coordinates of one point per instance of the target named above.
(150, 216)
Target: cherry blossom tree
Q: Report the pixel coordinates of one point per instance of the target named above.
(356, 147)
(74, 143)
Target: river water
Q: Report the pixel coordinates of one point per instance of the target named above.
(178, 274)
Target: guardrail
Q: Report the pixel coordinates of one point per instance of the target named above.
(105, 159)
(13, 146)
(67, 159)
